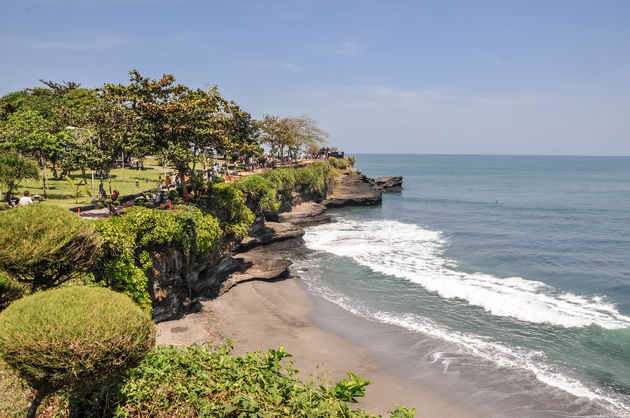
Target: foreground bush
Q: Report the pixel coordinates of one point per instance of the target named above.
(46, 245)
(10, 290)
(196, 381)
(73, 338)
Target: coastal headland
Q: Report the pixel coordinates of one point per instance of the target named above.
(259, 304)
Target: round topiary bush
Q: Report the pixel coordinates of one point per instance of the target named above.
(46, 245)
(73, 338)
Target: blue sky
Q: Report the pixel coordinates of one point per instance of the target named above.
(469, 77)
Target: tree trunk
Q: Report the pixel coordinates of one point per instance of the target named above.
(39, 397)
(193, 178)
(83, 175)
(122, 156)
(42, 164)
(55, 176)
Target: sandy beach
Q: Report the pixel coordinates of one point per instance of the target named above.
(263, 315)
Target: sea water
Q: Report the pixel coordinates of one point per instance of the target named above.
(502, 281)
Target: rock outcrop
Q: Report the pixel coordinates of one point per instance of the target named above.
(261, 263)
(176, 287)
(353, 189)
(388, 184)
(267, 232)
(305, 214)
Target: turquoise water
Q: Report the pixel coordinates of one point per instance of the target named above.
(502, 280)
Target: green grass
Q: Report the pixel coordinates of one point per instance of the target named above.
(59, 191)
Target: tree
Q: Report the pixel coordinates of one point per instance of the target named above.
(14, 169)
(45, 245)
(292, 133)
(73, 337)
(181, 124)
(28, 132)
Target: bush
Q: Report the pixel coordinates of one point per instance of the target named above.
(199, 381)
(305, 179)
(338, 163)
(128, 237)
(73, 337)
(10, 290)
(352, 160)
(46, 245)
(260, 192)
(226, 201)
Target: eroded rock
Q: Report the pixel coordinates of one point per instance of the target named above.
(305, 214)
(353, 189)
(388, 184)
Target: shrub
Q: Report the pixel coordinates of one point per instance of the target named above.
(260, 192)
(46, 245)
(73, 337)
(199, 381)
(10, 290)
(305, 179)
(128, 237)
(352, 160)
(226, 201)
(338, 163)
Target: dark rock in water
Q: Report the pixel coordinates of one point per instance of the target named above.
(353, 189)
(305, 214)
(268, 232)
(388, 184)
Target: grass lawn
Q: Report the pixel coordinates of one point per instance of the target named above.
(60, 191)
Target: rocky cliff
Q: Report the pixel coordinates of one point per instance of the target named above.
(176, 288)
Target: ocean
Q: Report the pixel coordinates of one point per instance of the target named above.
(500, 281)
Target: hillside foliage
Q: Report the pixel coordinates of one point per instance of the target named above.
(128, 239)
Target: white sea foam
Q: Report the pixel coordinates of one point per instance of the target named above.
(413, 253)
(499, 354)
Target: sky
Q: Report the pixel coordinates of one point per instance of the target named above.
(548, 77)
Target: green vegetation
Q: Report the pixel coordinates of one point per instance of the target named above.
(45, 245)
(226, 202)
(77, 130)
(340, 163)
(10, 290)
(352, 160)
(73, 337)
(129, 237)
(312, 179)
(199, 381)
(14, 169)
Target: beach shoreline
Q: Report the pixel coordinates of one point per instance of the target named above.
(261, 315)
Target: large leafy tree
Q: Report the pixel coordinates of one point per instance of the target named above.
(181, 124)
(291, 134)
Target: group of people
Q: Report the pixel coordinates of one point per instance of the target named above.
(14, 202)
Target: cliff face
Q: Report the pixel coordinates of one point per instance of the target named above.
(176, 287)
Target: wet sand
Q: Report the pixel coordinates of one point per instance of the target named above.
(264, 315)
